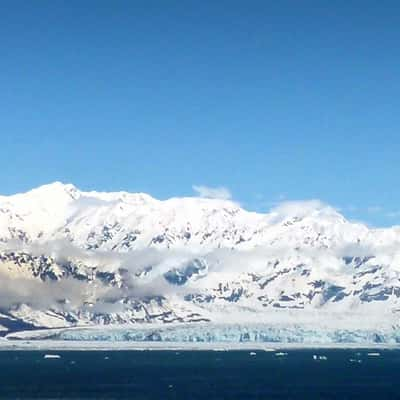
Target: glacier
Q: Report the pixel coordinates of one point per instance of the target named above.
(221, 334)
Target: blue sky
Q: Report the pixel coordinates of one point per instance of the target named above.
(275, 101)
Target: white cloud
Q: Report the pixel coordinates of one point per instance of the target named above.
(302, 208)
(393, 214)
(212, 192)
(351, 208)
(374, 209)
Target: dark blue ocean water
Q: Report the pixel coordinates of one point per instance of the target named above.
(200, 375)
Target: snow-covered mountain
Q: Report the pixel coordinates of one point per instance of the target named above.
(72, 258)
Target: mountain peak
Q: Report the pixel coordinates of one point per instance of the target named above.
(58, 186)
(49, 189)
(308, 209)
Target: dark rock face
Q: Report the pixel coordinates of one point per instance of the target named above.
(179, 276)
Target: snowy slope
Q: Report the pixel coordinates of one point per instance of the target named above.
(69, 258)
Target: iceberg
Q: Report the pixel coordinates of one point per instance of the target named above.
(51, 356)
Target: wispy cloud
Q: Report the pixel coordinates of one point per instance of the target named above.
(208, 192)
(393, 214)
(299, 208)
(374, 209)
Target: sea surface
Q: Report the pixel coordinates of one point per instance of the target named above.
(206, 375)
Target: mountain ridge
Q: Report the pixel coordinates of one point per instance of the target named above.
(69, 257)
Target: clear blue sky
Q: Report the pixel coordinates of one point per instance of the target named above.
(272, 99)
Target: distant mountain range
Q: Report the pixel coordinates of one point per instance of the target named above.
(73, 258)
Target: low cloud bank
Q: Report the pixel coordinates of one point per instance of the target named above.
(145, 269)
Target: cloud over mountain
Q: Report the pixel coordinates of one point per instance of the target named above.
(208, 192)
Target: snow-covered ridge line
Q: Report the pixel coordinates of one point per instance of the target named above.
(69, 257)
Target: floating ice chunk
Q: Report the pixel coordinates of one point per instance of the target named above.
(281, 354)
(51, 356)
(321, 358)
(373, 354)
(354, 360)
(252, 353)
